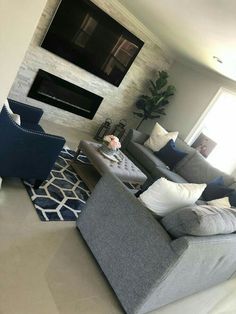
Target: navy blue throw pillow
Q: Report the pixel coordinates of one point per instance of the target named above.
(216, 189)
(170, 154)
(232, 199)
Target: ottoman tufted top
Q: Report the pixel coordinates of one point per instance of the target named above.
(125, 170)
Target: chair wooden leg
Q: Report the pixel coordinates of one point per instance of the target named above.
(37, 184)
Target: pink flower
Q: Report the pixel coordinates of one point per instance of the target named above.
(112, 142)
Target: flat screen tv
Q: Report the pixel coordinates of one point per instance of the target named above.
(85, 35)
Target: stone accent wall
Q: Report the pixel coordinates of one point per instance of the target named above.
(118, 102)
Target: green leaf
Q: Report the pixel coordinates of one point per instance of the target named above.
(153, 105)
(140, 104)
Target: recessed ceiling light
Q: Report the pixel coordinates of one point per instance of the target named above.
(217, 59)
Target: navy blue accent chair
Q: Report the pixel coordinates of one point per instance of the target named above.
(26, 152)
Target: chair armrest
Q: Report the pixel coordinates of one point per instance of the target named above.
(131, 247)
(26, 154)
(26, 112)
(135, 136)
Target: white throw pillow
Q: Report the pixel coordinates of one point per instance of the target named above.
(14, 116)
(8, 107)
(0, 182)
(221, 202)
(165, 196)
(159, 138)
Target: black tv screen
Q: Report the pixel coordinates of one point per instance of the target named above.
(85, 35)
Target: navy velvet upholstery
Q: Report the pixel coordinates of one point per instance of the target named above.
(26, 151)
(170, 154)
(27, 113)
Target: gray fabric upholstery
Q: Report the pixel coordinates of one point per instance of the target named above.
(131, 247)
(134, 135)
(233, 186)
(144, 266)
(168, 174)
(145, 156)
(125, 170)
(183, 146)
(200, 221)
(198, 170)
(193, 168)
(203, 262)
(201, 202)
(180, 144)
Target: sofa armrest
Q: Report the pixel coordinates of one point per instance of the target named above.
(131, 247)
(26, 112)
(203, 262)
(135, 136)
(220, 241)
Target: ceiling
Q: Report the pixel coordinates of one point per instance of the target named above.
(193, 30)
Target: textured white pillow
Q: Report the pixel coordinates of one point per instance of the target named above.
(159, 138)
(8, 107)
(14, 116)
(165, 196)
(221, 202)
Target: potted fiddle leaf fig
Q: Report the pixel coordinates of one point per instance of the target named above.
(153, 106)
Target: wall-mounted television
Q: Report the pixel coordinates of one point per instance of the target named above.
(83, 34)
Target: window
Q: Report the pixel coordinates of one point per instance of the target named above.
(215, 134)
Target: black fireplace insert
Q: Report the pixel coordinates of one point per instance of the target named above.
(62, 94)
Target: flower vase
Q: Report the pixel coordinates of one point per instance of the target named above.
(106, 150)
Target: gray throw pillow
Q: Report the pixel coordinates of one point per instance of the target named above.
(201, 220)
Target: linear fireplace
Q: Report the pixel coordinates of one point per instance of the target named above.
(57, 92)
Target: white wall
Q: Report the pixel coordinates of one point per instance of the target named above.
(18, 19)
(196, 87)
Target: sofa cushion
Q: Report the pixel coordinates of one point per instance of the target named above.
(220, 202)
(198, 170)
(144, 156)
(159, 138)
(159, 172)
(170, 154)
(164, 196)
(184, 147)
(180, 144)
(202, 220)
(233, 186)
(232, 198)
(216, 189)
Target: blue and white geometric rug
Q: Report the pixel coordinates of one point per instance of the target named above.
(62, 196)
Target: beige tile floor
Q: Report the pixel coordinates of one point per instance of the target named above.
(45, 267)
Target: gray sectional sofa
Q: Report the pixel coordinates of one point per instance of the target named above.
(145, 266)
(194, 168)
